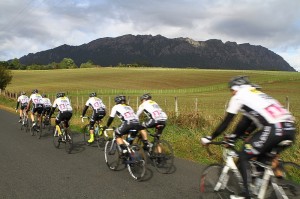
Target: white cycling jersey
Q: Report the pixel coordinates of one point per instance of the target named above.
(258, 106)
(47, 102)
(124, 112)
(152, 110)
(23, 99)
(96, 103)
(63, 104)
(36, 99)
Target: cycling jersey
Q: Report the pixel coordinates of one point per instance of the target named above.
(124, 112)
(258, 106)
(37, 100)
(152, 110)
(96, 103)
(23, 100)
(63, 104)
(47, 103)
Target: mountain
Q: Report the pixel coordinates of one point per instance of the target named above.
(165, 52)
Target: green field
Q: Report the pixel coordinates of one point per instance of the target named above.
(201, 96)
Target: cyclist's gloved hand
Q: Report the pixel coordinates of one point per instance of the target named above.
(205, 140)
(16, 109)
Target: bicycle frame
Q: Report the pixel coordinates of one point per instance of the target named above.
(228, 156)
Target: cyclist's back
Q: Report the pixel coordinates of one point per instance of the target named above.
(22, 100)
(37, 101)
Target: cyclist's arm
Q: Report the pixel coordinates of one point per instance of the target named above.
(84, 110)
(17, 105)
(109, 121)
(243, 126)
(223, 126)
(52, 111)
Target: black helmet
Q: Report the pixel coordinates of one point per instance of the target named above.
(119, 99)
(238, 81)
(23, 93)
(35, 91)
(146, 96)
(44, 95)
(60, 94)
(93, 94)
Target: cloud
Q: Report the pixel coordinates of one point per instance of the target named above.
(35, 25)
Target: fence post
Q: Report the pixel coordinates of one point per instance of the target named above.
(176, 106)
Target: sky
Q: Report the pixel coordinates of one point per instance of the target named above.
(30, 26)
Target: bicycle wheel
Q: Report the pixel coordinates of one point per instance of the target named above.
(56, 138)
(212, 187)
(39, 130)
(111, 154)
(86, 133)
(136, 163)
(291, 171)
(162, 156)
(26, 124)
(68, 140)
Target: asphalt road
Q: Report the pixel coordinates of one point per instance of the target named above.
(32, 168)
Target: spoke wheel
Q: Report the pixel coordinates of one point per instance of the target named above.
(111, 154)
(86, 133)
(69, 141)
(162, 156)
(136, 163)
(209, 181)
(56, 138)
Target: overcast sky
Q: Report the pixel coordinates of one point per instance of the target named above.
(30, 26)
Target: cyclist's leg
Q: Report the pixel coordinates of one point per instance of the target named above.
(58, 119)
(92, 123)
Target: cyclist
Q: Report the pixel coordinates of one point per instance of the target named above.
(47, 105)
(156, 116)
(273, 121)
(98, 112)
(37, 101)
(129, 121)
(65, 111)
(23, 99)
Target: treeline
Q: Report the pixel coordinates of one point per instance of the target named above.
(66, 63)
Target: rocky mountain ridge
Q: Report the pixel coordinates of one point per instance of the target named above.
(160, 51)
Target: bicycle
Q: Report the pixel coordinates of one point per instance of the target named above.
(220, 181)
(135, 160)
(66, 137)
(46, 122)
(99, 137)
(36, 129)
(24, 121)
(160, 152)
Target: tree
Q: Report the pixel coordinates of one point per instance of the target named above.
(67, 63)
(5, 77)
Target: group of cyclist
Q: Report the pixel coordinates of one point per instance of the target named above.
(41, 105)
(265, 116)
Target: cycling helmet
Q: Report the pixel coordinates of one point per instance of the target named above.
(146, 96)
(44, 95)
(93, 94)
(35, 91)
(119, 99)
(23, 93)
(238, 81)
(258, 87)
(60, 94)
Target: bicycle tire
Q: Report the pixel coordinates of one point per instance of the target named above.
(164, 160)
(39, 130)
(291, 171)
(136, 164)
(68, 140)
(209, 179)
(26, 124)
(86, 133)
(56, 138)
(112, 154)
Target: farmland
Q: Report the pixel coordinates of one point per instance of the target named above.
(194, 99)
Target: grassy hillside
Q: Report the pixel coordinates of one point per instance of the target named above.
(201, 96)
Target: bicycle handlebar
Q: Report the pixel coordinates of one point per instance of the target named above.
(86, 117)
